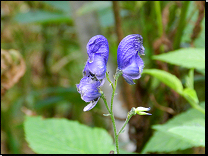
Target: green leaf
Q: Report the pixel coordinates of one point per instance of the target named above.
(40, 16)
(165, 142)
(190, 95)
(93, 6)
(189, 79)
(47, 102)
(60, 5)
(166, 139)
(170, 80)
(62, 136)
(186, 57)
(193, 134)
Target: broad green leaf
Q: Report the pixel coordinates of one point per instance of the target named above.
(186, 57)
(164, 140)
(193, 134)
(40, 16)
(170, 80)
(62, 136)
(202, 71)
(185, 118)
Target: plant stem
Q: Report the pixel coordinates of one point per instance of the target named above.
(114, 123)
(110, 110)
(159, 17)
(125, 123)
(181, 25)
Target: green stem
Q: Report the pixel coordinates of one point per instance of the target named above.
(126, 122)
(106, 104)
(159, 21)
(110, 110)
(159, 17)
(181, 25)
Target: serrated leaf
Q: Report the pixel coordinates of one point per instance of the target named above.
(165, 141)
(170, 80)
(185, 57)
(62, 136)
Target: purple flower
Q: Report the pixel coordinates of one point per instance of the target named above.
(88, 88)
(94, 71)
(98, 51)
(129, 62)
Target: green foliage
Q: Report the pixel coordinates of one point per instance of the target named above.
(61, 136)
(60, 5)
(41, 16)
(93, 6)
(185, 57)
(170, 80)
(190, 95)
(44, 33)
(181, 132)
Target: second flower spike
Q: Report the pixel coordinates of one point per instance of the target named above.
(129, 61)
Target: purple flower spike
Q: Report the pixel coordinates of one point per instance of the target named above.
(129, 62)
(88, 88)
(94, 71)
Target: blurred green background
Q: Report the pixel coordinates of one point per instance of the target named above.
(51, 37)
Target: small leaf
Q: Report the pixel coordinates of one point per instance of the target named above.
(170, 80)
(190, 95)
(61, 136)
(189, 79)
(186, 57)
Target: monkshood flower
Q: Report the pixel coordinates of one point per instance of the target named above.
(89, 90)
(98, 51)
(129, 62)
(94, 71)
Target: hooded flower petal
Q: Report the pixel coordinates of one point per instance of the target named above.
(134, 70)
(129, 62)
(88, 88)
(130, 46)
(96, 68)
(98, 45)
